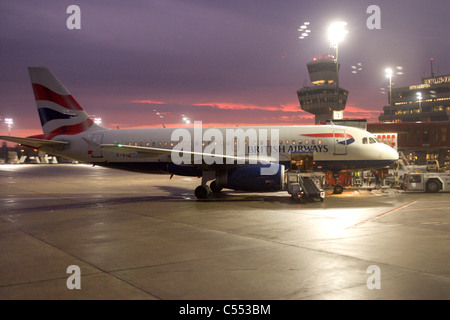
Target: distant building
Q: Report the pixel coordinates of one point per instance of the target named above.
(419, 141)
(322, 99)
(429, 101)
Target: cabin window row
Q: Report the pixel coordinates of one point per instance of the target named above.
(161, 144)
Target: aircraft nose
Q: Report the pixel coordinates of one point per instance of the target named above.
(393, 155)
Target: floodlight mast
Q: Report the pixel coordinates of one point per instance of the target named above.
(9, 122)
(389, 74)
(336, 33)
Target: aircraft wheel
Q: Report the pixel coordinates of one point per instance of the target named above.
(202, 192)
(338, 189)
(214, 187)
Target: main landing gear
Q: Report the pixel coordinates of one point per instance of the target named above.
(204, 191)
(215, 187)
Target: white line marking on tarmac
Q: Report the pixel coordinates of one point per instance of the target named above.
(382, 214)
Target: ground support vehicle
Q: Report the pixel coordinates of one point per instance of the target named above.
(428, 182)
(302, 187)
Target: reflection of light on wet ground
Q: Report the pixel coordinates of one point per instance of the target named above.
(365, 192)
(332, 223)
(14, 167)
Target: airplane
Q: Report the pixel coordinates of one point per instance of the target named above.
(69, 132)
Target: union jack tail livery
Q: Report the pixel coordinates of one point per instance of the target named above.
(59, 112)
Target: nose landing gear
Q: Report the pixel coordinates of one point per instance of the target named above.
(338, 189)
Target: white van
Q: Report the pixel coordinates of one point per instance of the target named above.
(432, 165)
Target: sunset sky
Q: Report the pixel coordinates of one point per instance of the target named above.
(224, 63)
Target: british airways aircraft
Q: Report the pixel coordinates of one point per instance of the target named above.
(233, 157)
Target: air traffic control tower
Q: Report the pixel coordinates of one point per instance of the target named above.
(321, 99)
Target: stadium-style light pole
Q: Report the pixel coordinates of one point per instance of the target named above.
(9, 122)
(419, 97)
(186, 119)
(336, 33)
(389, 74)
(304, 30)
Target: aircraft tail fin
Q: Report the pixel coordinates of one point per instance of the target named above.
(59, 112)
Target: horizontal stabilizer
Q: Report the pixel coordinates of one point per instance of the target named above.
(32, 142)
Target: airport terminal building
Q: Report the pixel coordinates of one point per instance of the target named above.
(419, 141)
(420, 116)
(426, 102)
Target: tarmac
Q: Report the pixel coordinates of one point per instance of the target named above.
(82, 232)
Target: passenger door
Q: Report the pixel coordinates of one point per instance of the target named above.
(340, 141)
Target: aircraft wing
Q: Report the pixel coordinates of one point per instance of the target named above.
(151, 152)
(144, 151)
(34, 143)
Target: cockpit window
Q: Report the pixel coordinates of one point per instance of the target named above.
(372, 140)
(364, 140)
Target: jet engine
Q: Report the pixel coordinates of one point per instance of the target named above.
(250, 178)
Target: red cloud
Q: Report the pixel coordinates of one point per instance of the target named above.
(148, 102)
